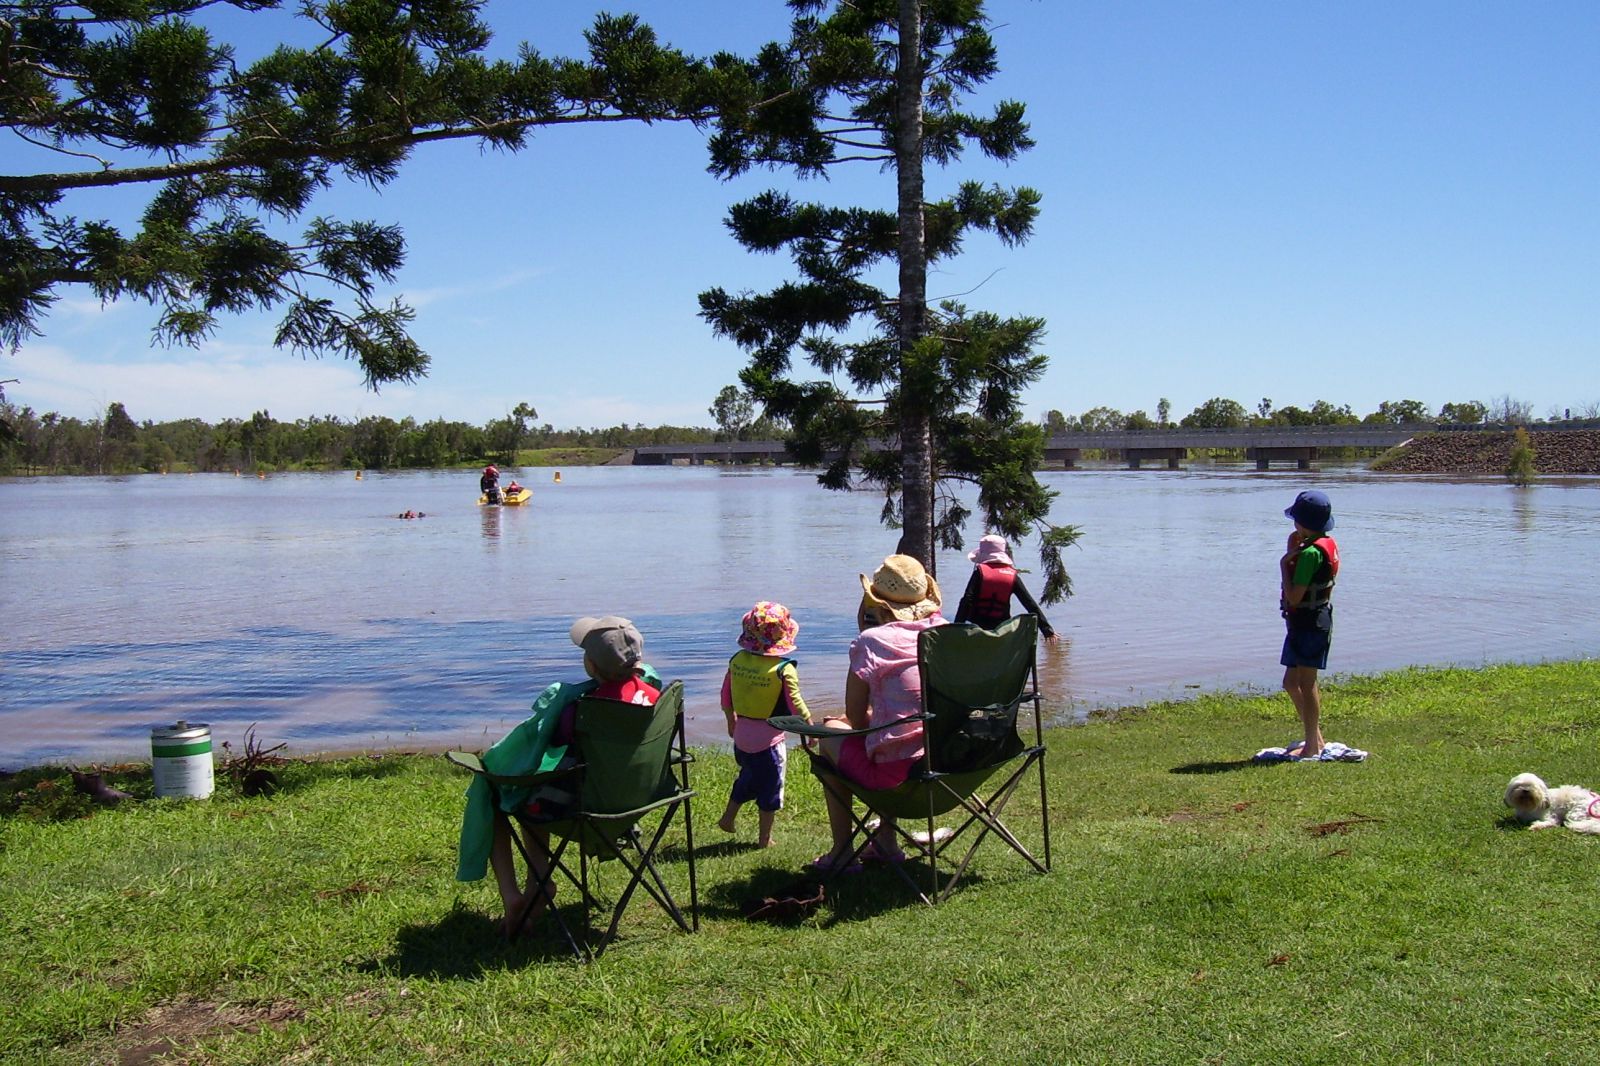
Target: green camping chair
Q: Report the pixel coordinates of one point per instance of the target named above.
(974, 684)
(631, 763)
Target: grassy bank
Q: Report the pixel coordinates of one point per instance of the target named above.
(567, 456)
(1201, 909)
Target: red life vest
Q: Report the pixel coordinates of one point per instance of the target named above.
(995, 584)
(1320, 591)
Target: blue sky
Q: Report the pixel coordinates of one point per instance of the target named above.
(1350, 201)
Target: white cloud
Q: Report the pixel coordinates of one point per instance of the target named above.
(214, 382)
(424, 296)
(576, 410)
(89, 307)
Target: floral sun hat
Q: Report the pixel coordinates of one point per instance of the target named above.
(768, 629)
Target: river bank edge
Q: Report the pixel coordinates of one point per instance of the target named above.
(257, 752)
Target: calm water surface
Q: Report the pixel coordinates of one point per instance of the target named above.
(302, 604)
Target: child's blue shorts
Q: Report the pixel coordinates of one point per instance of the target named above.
(1308, 645)
(760, 777)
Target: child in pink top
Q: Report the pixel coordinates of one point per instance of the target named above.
(760, 684)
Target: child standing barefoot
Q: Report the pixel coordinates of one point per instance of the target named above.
(759, 684)
(1307, 571)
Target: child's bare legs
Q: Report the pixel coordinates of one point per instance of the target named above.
(505, 872)
(839, 823)
(726, 822)
(764, 828)
(1300, 682)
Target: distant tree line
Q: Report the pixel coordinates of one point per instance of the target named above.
(1221, 413)
(115, 444)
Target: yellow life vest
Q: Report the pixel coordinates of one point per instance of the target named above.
(757, 684)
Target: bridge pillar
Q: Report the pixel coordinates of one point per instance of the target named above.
(1302, 456)
(1173, 456)
(1069, 456)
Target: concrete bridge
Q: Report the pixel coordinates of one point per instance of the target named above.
(1296, 444)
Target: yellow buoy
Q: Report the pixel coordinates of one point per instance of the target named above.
(558, 477)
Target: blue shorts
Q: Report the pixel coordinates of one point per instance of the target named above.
(760, 777)
(1308, 639)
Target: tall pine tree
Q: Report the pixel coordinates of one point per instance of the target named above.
(931, 396)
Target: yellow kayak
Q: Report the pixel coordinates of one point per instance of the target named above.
(510, 499)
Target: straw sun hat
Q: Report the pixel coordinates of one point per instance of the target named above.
(901, 588)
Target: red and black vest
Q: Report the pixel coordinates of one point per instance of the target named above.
(992, 604)
(1320, 591)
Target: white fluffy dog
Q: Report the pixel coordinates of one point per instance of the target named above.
(1542, 807)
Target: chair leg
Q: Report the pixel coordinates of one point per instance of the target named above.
(639, 861)
(1044, 810)
(986, 815)
(546, 888)
(688, 837)
(865, 827)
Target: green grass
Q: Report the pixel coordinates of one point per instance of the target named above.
(1201, 909)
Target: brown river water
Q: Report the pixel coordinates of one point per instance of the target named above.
(302, 605)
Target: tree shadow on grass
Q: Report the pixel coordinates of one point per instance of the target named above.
(1218, 767)
(465, 945)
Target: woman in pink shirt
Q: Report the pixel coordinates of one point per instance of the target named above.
(883, 687)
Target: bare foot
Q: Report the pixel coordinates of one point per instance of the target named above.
(726, 822)
(509, 927)
(765, 843)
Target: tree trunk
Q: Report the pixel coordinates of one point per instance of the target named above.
(916, 432)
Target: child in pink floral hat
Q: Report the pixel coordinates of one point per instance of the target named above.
(761, 683)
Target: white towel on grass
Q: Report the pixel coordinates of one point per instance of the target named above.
(1332, 751)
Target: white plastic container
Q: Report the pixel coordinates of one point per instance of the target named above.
(180, 760)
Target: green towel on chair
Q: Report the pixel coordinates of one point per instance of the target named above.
(524, 750)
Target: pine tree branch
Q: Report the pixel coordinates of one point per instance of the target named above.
(106, 163)
(288, 152)
(116, 20)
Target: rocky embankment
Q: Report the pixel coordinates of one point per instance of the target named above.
(1489, 452)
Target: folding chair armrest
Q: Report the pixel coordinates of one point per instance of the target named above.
(474, 764)
(793, 723)
(639, 812)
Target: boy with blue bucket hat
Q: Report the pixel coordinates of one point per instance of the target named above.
(1307, 571)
